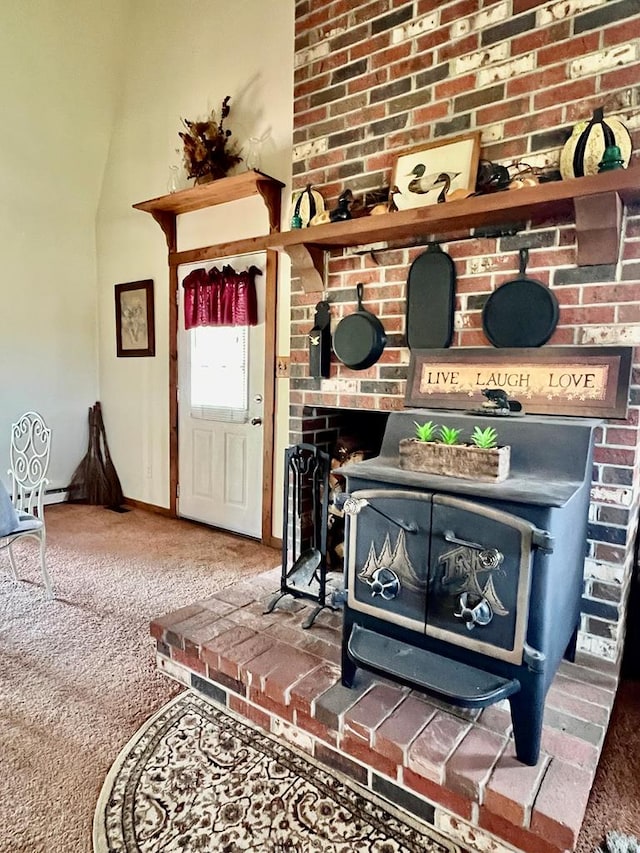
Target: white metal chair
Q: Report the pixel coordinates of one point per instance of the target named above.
(30, 449)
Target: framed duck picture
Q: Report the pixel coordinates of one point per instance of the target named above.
(436, 172)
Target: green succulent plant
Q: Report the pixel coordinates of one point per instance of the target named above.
(449, 435)
(484, 438)
(426, 431)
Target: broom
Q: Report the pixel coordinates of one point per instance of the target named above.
(97, 485)
(114, 495)
(78, 484)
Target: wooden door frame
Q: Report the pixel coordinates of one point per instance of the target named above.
(165, 210)
(269, 393)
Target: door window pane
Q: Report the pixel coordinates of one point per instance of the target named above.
(219, 381)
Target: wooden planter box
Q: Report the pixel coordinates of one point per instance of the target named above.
(456, 460)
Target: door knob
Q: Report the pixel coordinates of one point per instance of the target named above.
(255, 421)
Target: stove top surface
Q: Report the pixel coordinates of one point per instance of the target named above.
(541, 489)
(550, 457)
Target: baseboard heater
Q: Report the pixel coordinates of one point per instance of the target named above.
(56, 496)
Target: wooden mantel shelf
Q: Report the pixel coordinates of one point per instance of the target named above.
(165, 208)
(595, 200)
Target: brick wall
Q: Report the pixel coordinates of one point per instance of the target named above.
(373, 78)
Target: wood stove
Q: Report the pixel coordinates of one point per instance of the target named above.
(470, 591)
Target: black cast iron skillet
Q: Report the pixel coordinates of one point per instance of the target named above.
(431, 299)
(359, 338)
(520, 313)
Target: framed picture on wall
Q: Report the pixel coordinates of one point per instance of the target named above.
(436, 172)
(135, 324)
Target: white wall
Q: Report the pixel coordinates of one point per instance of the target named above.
(182, 57)
(60, 63)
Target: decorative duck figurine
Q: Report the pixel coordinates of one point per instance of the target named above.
(422, 183)
(393, 192)
(343, 209)
(388, 206)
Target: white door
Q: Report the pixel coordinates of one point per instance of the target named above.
(220, 409)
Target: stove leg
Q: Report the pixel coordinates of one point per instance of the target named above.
(348, 670)
(348, 674)
(348, 666)
(527, 710)
(570, 651)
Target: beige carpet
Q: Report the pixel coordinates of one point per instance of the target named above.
(77, 675)
(614, 803)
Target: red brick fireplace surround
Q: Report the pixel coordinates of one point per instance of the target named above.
(371, 79)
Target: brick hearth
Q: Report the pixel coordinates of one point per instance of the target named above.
(450, 767)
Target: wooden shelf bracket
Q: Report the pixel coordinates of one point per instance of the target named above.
(598, 228)
(309, 264)
(271, 195)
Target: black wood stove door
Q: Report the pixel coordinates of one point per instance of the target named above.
(388, 554)
(456, 570)
(479, 578)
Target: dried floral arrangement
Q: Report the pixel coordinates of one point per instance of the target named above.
(207, 151)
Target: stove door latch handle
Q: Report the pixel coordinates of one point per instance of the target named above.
(352, 506)
(489, 558)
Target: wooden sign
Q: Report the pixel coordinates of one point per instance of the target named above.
(587, 381)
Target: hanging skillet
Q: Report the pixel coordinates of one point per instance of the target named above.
(520, 313)
(359, 338)
(431, 299)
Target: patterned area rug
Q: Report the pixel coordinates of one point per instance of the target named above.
(196, 778)
(619, 842)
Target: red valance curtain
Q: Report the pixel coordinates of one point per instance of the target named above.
(220, 297)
